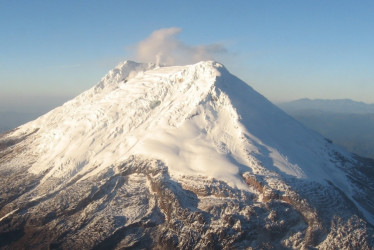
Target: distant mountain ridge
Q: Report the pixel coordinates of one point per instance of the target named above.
(334, 105)
(347, 123)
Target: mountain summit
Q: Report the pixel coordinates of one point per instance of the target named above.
(182, 156)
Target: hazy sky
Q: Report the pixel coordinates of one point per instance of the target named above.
(284, 49)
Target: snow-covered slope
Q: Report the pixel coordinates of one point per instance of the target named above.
(212, 134)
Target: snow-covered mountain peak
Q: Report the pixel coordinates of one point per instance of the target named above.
(179, 152)
(121, 73)
(132, 103)
(188, 116)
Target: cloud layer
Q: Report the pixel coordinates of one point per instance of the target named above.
(164, 47)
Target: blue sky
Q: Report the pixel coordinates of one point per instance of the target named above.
(284, 49)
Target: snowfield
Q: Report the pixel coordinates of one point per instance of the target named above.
(182, 115)
(209, 131)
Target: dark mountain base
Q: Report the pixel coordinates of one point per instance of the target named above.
(138, 205)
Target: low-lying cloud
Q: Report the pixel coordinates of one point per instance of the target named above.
(164, 47)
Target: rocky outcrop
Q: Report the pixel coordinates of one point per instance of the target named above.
(137, 204)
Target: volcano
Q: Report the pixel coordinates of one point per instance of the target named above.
(183, 157)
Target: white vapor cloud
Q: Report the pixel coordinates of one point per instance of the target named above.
(164, 47)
